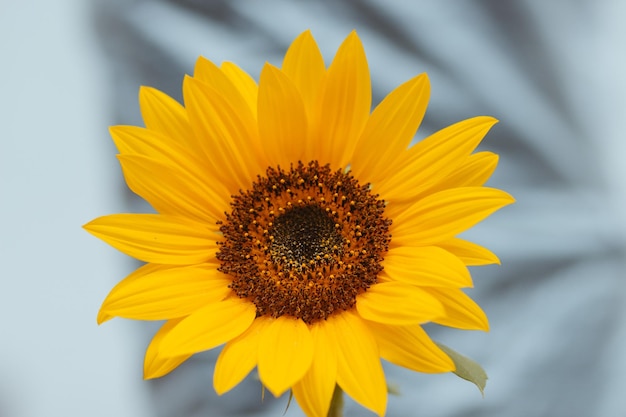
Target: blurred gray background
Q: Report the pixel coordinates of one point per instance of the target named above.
(553, 72)
(57, 171)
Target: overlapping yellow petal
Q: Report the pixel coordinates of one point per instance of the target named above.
(164, 115)
(137, 274)
(238, 357)
(315, 390)
(359, 371)
(173, 191)
(157, 238)
(133, 140)
(211, 75)
(461, 311)
(470, 253)
(398, 303)
(282, 118)
(428, 266)
(166, 292)
(390, 129)
(244, 83)
(230, 137)
(441, 216)
(208, 327)
(156, 365)
(432, 159)
(285, 353)
(474, 172)
(304, 65)
(344, 106)
(410, 347)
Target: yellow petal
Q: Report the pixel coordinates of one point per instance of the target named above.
(304, 65)
(345, 104)
(244, 83)
(428, 266)
(390, 129)
(359, 372)
(397, 303)
(209, 74)
(163, 114)
(154, 365)
(208, 327)
(433, 158)
(285, 353)
(238, 357)
(410, 347)
(282, 118)
(156, 238)
(143, 270)
(166, 293)
(172, 190)
(474, 172)
(441, 216)
(133, 140)
(461, 311)
(315, 390)
(230, 140)
(470, 253)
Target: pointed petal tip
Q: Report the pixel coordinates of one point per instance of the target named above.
(507, 198)
(189, 83)
(113, 129)
(352, 40)
(267, 70)
(200, 61)
(91, 226)
(144, 90)
(490, 120)
(422, 80)
(149, 374)
(306, 35)
(103, 317)
(157, 367)
(153, 367)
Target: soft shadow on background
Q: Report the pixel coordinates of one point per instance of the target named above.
(57, 171)
(59, 92)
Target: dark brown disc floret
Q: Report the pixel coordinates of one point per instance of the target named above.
(304, 242)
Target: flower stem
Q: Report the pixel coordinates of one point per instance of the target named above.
(336, 404)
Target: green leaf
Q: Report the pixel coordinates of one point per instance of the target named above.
(466, 368)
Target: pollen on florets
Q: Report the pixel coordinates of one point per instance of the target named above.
(304, 242)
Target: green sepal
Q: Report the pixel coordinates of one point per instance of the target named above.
(393, 389)
(288, 401)
(466, 368)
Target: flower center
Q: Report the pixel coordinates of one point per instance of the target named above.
(304, 242)
(304, 236)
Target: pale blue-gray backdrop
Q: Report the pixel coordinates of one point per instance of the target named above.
(552, 72)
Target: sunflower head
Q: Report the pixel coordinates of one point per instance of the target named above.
(299, 228)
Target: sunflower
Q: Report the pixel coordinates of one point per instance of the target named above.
(298, 228)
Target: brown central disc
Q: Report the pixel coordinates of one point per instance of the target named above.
(304, 234)
(304, 242)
